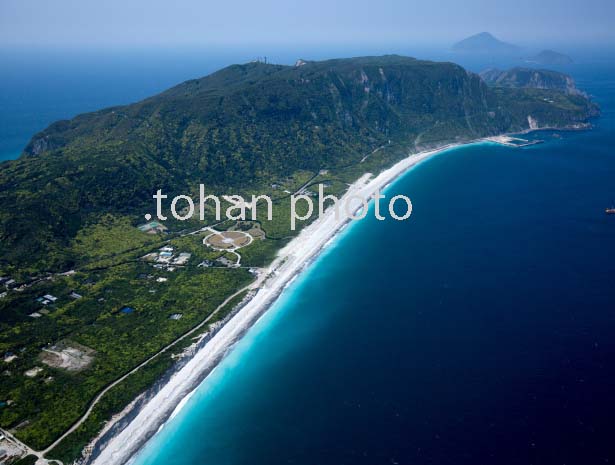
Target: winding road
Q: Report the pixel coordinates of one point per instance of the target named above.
(78, 423)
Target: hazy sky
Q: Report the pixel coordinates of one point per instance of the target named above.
(181, 22)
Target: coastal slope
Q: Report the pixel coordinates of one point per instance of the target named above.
(243, 127)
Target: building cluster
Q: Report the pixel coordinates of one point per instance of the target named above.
(33, 372)
(166, 258)
(46, 299)
(9, 357)
(6, 283)
(225, 261)
(218, 262)
(153, 227)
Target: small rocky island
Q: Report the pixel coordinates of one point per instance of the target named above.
(550, 57)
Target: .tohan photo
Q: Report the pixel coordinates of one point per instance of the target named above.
(307, 233)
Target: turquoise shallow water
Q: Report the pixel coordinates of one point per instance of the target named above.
(479, 331)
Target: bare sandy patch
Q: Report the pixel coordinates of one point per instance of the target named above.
(68, 355)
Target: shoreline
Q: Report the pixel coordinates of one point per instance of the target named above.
(291, 260)
(131, 429)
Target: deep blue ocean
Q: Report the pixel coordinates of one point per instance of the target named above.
(480, 331)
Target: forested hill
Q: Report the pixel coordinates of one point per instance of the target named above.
(243, 126)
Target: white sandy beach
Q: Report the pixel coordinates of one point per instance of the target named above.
(290, 261)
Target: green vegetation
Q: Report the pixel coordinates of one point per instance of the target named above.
(261, 252)
(240, 129)
(115, 400)
(55, 398)
(109, 238)
(72, 202)
(27, 460)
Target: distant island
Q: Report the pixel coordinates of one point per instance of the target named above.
(550, 57)
(527, 78)
(485, 43)
(99, 307)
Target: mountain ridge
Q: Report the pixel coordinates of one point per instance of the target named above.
(243, 127)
